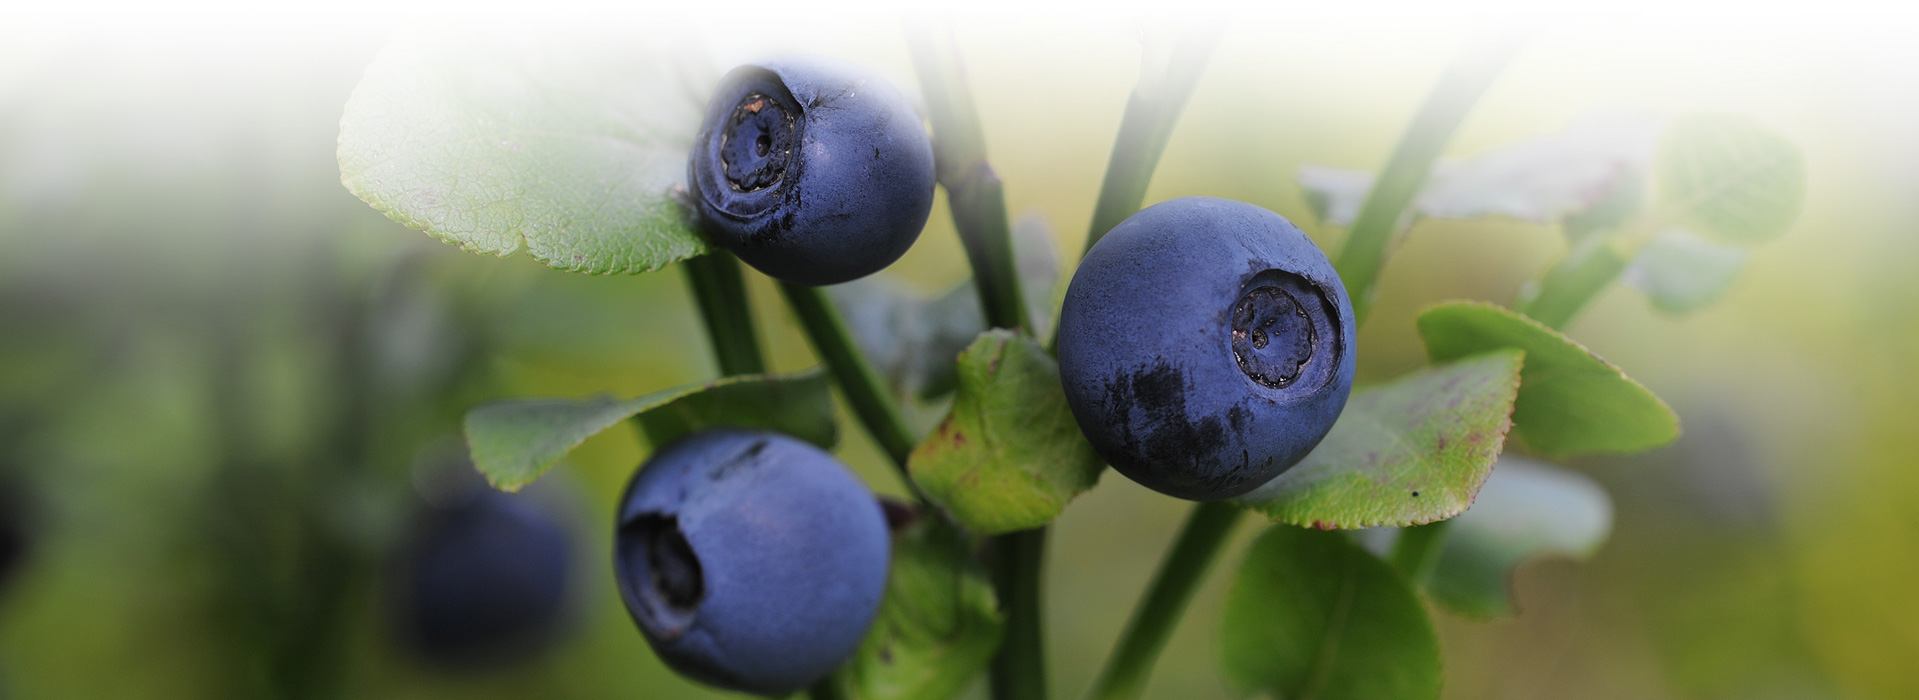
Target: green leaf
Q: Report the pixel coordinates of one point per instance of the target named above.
(1407, 452)
(1681, 272)
(1311, 615)
(1527, 509)
(1009, 455)
(567, 149)
(1729, 177)
(938, 626)
(514, 441)
(1570, 400)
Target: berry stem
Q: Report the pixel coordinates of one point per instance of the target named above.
(978, 203)
(1364, 253)
(1200, 542)
(1573, 282)
(1151, 112)
(974, 193)
(720, 292)
(858, 381)
(1019, 667)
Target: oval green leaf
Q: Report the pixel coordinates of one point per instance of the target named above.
(566, 149)
(1311, 615)
(1680, 272)
(514, 441)
(1411, 451)
(1571, 401)
(1009, 455)
(1526, 509)
(937, 627)
(1729, 177)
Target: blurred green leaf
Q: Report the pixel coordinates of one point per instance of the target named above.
(1570, 400)
(1729, 177)
(1009, 455)
(1526, 509)
(1311, 615)
(567, 149)
(938, 626)
(1680, 272)
(516, 440)
(1407, 452)
(913, 339)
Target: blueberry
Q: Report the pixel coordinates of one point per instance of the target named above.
(813, 172)
(485, 580)
(1205, 346)
(751, 561)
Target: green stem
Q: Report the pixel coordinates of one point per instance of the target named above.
(1416, 551)
(858, 381)
(1573, 282)
(1364, 252)
(974, 193)
(1019, 667)
(1151, 112)
(720, 292)
(978, 202)
(1180, 574)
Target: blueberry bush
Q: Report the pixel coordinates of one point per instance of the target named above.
(1204, 348)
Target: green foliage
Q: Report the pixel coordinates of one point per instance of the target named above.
(1729, 177)
(1311, 615)
(1410, 451)
(1527, 509)
(514, 441)
(1570, 400)
(938, 626)
(1680, 272)
(1009, 456)
(565, 149)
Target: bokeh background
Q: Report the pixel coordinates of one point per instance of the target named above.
(225, 382)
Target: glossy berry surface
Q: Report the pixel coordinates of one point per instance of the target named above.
(750, 560)
(1205, 346)
(485, 580)
(813, 172)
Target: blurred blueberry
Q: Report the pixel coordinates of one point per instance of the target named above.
(484, 578)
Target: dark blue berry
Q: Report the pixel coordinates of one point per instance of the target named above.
(485, 580)
(750, 560)
(812, 172)
(1205, 346)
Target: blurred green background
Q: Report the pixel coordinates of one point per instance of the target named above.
(220, 373)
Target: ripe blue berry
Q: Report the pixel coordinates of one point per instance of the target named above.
(751, 560)
(485, 580)
(813, 172)
(1205, 346)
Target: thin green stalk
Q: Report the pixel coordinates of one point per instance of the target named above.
(720, 291)
(858, 381)
(1573, 282)
(1416, 551)
(1019, 667)
(1364, 252)
(978, 203)
(974, 193)
(1180, 574)
(1151, 112)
